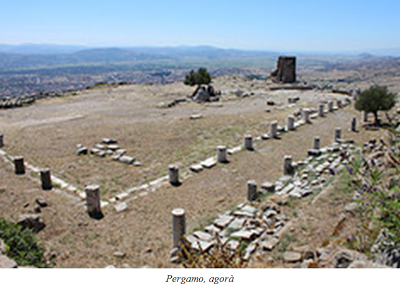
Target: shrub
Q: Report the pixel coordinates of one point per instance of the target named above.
(378, 190)
(22, 245)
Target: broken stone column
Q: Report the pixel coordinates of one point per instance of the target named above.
(321, 112)
(19, 165)
(251, 190)
(290, 123)
(45, 178)
(330, 106)
(274, 129)
(248, 142)
(1, 140)
(339, 104)
(288, 168)
(221, 154)
(306, 115)
(317, 143)
(354, 124)
(365, 116)
(93, 205)
(178, 226)
(173, 174)
(338, 134)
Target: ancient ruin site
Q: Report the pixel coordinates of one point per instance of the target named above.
(263, 169)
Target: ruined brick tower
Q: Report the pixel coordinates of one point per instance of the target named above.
(286, 70)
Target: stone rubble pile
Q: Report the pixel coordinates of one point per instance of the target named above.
(261, 224)
(108, 147)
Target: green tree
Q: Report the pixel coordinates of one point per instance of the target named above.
(199, 77)
(375, 99)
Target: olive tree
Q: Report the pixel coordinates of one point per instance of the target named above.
(375, 99)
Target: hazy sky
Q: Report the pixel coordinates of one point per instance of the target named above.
(302, 25)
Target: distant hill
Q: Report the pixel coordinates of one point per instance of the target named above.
(20, 58)
(40, 49)
(32, 56)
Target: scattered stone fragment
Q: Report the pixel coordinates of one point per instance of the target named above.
(209, 163)
(342, 259)
(120, 207)
(113, 147)
(41, 202)
(126, 159)
(81, 151)
(6, 262)
(108, 141)
(291, 256)
(31, 221)
(243, 214)
(212, 230)
(232, 245)
(101, 153)
(119, 254)
(120, 151)
(196, 168)
(203, 236)
(223, 220)
(270, 244)
(94, 150)
(115, 157)
(234, 150)
(137, 163)
(237, 224)
(268, 186)
(249, 250)
(196, 116)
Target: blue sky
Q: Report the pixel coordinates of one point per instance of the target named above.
(298, 25)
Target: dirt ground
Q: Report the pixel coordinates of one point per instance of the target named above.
(47, 132)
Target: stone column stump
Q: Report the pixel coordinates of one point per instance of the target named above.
(251, 190)
(178, 226)
(248, 142)
(306, 115)
(221, 154)
(290, 123)
(321, 110)
(317, 143)
(288, 168)
(173, 174)
(330, 106)
(19, 165)
(93, 204)
(365, 116)
(45, 178)
(354, 124)
(274, 129)
(338, 134)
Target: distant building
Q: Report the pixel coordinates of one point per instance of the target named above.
(286, 70)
